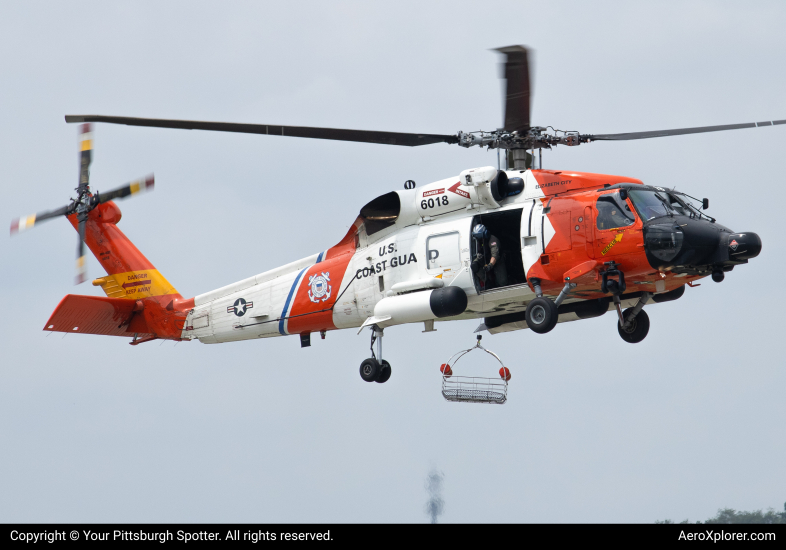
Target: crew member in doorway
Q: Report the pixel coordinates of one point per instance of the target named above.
(488, 265)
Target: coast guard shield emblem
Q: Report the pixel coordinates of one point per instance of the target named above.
(320, 289)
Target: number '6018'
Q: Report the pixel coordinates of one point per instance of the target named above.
(432, 203)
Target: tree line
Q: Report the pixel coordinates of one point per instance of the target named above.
(730, 515)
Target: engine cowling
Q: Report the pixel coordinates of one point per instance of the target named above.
(479, 186)
(476, 186)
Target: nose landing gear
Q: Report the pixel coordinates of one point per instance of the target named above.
(636, 329)
(375, 369)
(634, 322)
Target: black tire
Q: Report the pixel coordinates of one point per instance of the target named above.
(541, 315)
(384, 372)
(638, 328)
(369, 370)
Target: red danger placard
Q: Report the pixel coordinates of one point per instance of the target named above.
(433, 192)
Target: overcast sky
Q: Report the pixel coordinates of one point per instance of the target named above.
(595, 429)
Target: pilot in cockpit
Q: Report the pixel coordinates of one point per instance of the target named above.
(611, 214)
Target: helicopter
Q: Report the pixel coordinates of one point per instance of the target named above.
(567, 246)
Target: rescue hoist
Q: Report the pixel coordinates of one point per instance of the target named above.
(474, 389)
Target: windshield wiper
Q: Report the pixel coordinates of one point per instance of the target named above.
(666, 205)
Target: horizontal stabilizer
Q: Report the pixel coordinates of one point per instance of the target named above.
(97, 315)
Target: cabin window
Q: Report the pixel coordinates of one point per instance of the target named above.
(613, 212)
(442, 251)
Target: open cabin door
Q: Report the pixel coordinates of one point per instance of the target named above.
(506, 227)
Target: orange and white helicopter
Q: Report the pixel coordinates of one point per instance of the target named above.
(568, 246)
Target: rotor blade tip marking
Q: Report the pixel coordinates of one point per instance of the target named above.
(23, 223)
(81, 271)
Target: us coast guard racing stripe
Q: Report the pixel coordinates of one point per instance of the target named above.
(282, 323)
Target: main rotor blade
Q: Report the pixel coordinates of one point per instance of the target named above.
(26, 222)
(678, 132)
(338, 134)
(517, 91)
(137, 186)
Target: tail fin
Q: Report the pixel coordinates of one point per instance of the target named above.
(129, 274)
(154, 308)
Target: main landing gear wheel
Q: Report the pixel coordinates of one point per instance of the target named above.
(375, 369)
(372, 371)
(384, 372)
(369, 370)
(541, 315)
(636, 330)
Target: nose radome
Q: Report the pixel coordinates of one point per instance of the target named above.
(744, 246)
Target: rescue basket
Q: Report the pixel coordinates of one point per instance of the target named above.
(474, 389)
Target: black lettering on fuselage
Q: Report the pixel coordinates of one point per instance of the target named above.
(389, 249)
(383, 265)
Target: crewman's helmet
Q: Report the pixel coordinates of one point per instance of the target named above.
(480, 231)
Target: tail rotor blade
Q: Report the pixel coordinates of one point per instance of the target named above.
(517, 90)
(137, 186)
(85, 156)
(81, 266)
(26, 222)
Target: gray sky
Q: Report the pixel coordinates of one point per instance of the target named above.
(595, 429)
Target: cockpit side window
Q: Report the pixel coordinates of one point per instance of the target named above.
(613, 212)
(677, 206)
(686, 207)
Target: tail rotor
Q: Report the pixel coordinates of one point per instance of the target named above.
(84, 202)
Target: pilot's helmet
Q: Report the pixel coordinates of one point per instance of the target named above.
(480, 231)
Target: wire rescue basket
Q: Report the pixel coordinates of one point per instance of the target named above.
(474, 389)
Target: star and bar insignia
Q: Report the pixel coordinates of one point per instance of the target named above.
(240, 306)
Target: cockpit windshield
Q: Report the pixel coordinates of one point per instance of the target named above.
(653, 204)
